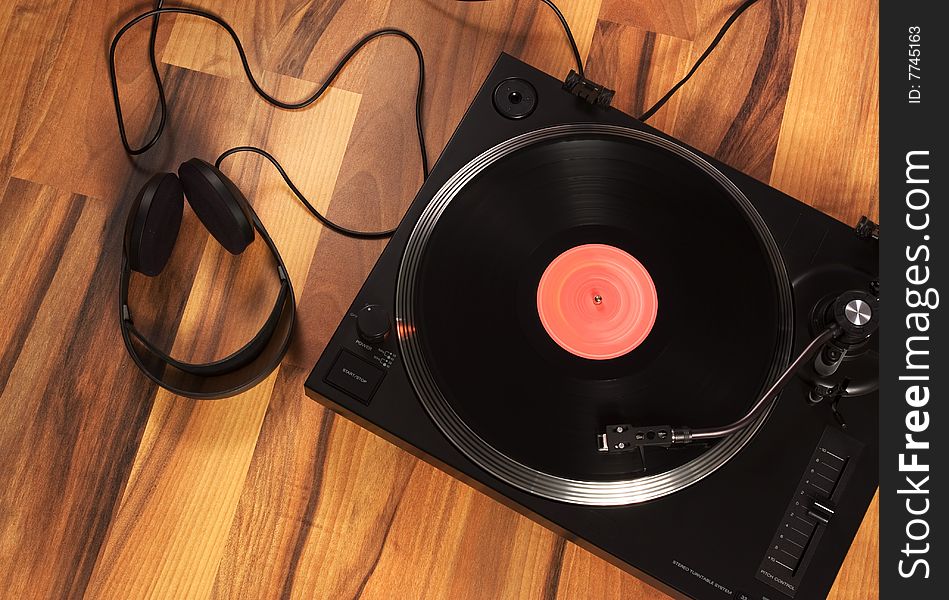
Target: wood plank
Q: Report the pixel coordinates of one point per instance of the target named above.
(29, 256)
(301, 39)
(748, 76)
(448, 541)
(66, 130)
(212, 442)
(642, 66)
(316, 519)
(828, 150)
(678, 18)
(586, 576)
(859, 577)
(58, 420)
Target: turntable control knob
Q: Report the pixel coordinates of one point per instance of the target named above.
(372, 324)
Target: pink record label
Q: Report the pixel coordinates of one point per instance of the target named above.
(597, 301)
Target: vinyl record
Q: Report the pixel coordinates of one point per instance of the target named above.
(720, 302)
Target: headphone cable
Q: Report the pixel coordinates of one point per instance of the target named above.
(566, 29)
(163, 107)
(353, 233)
(698, 63)
(718, 38)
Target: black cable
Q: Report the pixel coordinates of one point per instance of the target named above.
(364, 235)
(250, 76)
(566, 29)
(153, 59)
(718, 38)
(163, 109)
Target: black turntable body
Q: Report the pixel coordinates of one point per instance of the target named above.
(443, 352)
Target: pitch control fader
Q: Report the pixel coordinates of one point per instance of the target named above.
(810, 511)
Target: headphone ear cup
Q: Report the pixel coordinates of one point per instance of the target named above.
(218, 203)
(154, 223)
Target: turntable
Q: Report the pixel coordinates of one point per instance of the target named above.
(591, 322)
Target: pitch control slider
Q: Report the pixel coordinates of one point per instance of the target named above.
(626, 438)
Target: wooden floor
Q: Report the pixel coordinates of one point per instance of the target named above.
(111, 488)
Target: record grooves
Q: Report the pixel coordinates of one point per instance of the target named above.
(471, 270)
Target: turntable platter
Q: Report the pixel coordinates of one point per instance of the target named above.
(497, 377)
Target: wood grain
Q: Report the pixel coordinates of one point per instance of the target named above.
(645, 65)
(829, 144)
(115, 489)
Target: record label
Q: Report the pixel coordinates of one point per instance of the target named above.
(597, 301)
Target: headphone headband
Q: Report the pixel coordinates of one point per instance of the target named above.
(238, 372)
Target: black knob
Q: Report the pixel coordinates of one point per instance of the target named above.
(857, 313)
(372, 323)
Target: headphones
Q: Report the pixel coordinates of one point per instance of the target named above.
(155, 217)
(150, 234)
